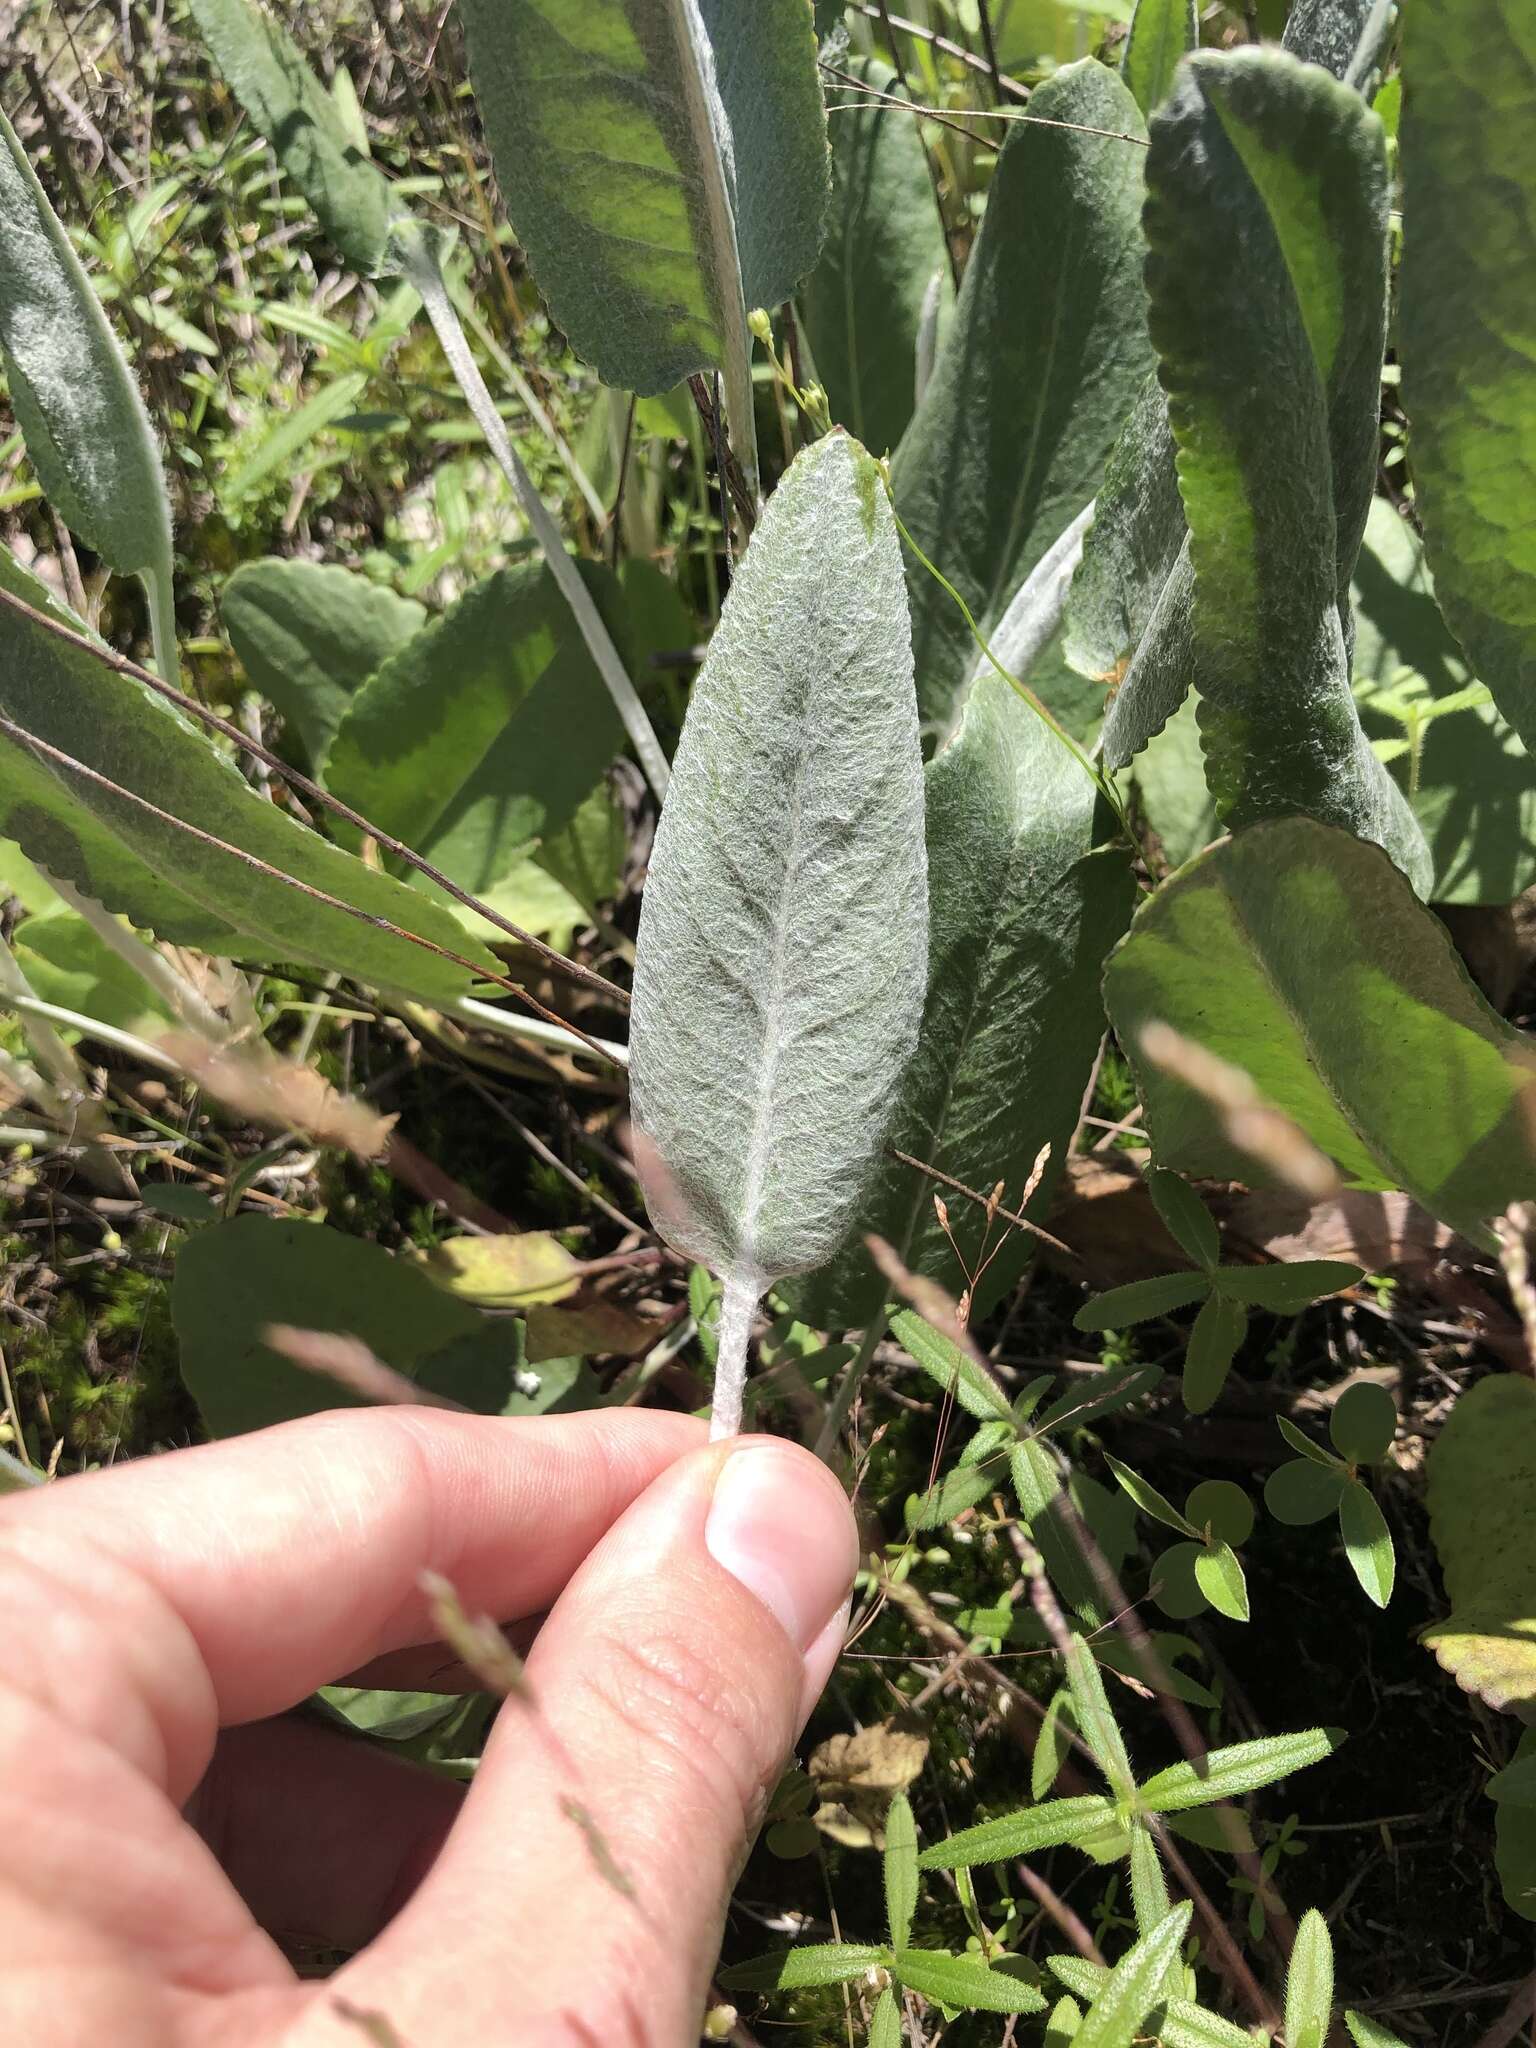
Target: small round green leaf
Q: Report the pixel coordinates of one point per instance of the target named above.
(1367, 1542)
(1221, 1506)
(1301, 1492)
(791, 1839)
(1220, 1578)
(1364, 1423)
(1176, 1584)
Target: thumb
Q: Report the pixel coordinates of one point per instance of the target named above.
(594, 1858)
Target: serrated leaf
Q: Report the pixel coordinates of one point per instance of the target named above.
(952, 1370)
(1369, 2033)
(795, 1969)
(486, 730)
(1160, 33)
(1218, 1330)
(664, 163)
(1148, 1499)
(1309, 1983)
(1266, 225)
(1367, 1541)
(1234, 1772)
(73, 395)
(1482, 1510)
(863, 304)
(1220, 1578)
(1300, 956)
(1133, 1986)
(1185, 1215)
(309, 133)
(900, 1870)
(782, 952)
(1469, 235)
(1363, 1423)
(1287, 1289)
(1020, 1834)
(1049, 327)
(967, 1983)
(1139, 1300)
(1021, 910)
(308, 636)
(155, 869)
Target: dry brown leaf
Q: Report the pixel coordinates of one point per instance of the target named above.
(857, 1777)
(592, 1329)
(273, 1091)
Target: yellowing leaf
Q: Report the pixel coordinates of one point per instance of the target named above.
(509, 1271)
(1482, 1515)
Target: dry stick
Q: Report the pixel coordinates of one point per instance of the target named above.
(1514, 2016)
(1070, 1923)
(880, 13)
(120, 664)
(419, 264)
(960, 1188)
(59, 758)
(945, 120)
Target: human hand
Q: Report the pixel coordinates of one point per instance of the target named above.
(696, 1602)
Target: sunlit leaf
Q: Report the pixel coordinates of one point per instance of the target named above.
(966, 1982)
(1133, 1986)
(1309, 1984)
(1235, 1772)
(900, 1870)
(1139, 1300)
(1020, 1834)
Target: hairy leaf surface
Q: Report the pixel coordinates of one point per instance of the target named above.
(1299, 955)
(1160, 33)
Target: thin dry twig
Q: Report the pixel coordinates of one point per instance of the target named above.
(987, 1202)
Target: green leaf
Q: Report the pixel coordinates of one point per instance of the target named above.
(1021, 911)
(952, 1370)
(1220, 1578)
(1482, 1508)
(1161, 31)
(1061, 2027)
(1469, 232)
(486, 730)
(1046, 354)
(73, 395)
(154, 868)
(782, 953)
(1476, 787)
(1148, 1499)
(1218, 1330)
(1363, 1423)
(1303, 1492)
(1174, 2022)
(1222, 1507)
(665, 167)
(1367, 1541)
(1300, 1442)
(309, 133)
(1287, 1289)
(1053, 1738)
(1514, 1832)
(900, 1870)
(1266, 226)
(1309, 1984)
(66, 962)
(235, 1278)
(955, 1492)
(1116, 1655)
(1096, 1718)
(1300, 956)
(1132, 1987)
(308, 636)
(794, 1969)
(1149, 1888)
(862, 306)
(1175, 1587)
(179, 1200)
(966, 1983)
(1185, 1215)
(1140, 1300)
(1368, 2033)
(885, 2022)
(1020, 1834)
(1090, 1397)
(1043, 1501)
(1170, 786)
(1235, 1772)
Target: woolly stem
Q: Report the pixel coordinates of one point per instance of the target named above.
(419, 262)
(737, 1309)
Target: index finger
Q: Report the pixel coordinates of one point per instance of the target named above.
(224, 1584)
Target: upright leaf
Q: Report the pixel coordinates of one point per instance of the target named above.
(665, 166)
(1266, 226)
(1367, 1542)
(1185, 1216)
(1469, 242)
(900, 1870)
(131, 826)
(1045, 357)
(486, 730)
(75, 401)
(1299, 955)
(1133, 1986)
(783, 938)
(1309, 1984)
(1175, 2022)
(1161, 31)
(308, 636)
(1369, 2033)
(1021, 909)
(309, 133)
(863, 303)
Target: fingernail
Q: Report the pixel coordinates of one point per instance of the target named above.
(780, 1523)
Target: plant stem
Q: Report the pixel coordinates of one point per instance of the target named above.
(737, 1308)
(160, 586)
(419, 262)
(147, 962)
(511, 1024)
(841, 1404)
